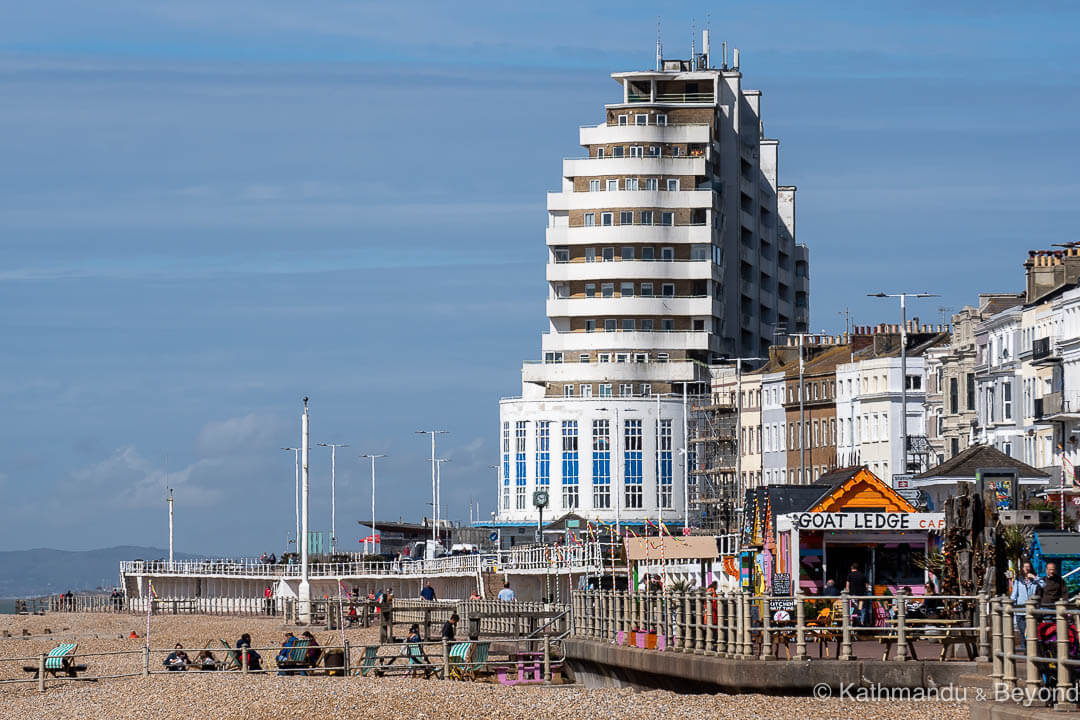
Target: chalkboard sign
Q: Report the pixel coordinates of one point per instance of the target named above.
(781, 585)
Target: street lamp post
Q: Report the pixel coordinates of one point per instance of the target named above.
(372, 456)
(296, 460)
(333, 493)
(434, 499)
(438, 495)
(903, 368)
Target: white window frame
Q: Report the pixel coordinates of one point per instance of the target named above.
(612, 185)
(652, 184)
(624, 119)
(630, 183)
(667, 218)
(607, 219)
(672, 184)
(661, 119)
(603, 357)
(586, 390)
(637, 151)
(607, 290)
(622, 357)
(589, 219)
(641, 119)
(568, 390)
(594, 185)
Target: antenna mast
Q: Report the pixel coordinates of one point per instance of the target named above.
(659, 46)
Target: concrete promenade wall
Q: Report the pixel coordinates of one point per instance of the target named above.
(598, 664)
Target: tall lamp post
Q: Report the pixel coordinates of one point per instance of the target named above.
(438, 495)
(903, 368)
(296, 459)
(373, 534)
(434, 500)
(333, 493)
(303, 594)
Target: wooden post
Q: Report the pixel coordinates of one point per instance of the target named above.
(1008, 648)
(41, 673)
(345, 660)
(1031, 648)
(244, 662)
(995, 641)
(445, 660)
(145, 661)
(800, 626)
(984, 628)
(547, 658)
(845, 627)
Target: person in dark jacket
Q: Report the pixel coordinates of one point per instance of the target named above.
(1053, 586)
(830, 589)
(254, 659)
(448, 628)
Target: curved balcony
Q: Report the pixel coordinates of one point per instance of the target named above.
(648, 165)
(630, 341)
(700, 234)
(633, 270)
(605, 134)
(601, 307)
(630, 199)
(675, 371)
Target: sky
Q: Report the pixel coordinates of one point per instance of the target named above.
(209, 210)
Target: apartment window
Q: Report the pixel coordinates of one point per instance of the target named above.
(506, 465)
(661, 120)
(632, 463)
(646, 325)
(628, 324)
(599, 152)
(604, 390)
(590, 255)
(608, 254)
(627, 252)
(562, 255)
(519, 443)
(586, 390)
(590, 289)
(543, 453)
(1006, 401)
(648, 253)
(663, 465)
(590, 326)
(641, 357)
(637, 151)
(594, 186)
(626, 217)
(622, 357)
(954, 447)
(626, 289)
(569, 464)
(667, 254)
(667, 289)
(568, 391)
(617, 151)
(667, 218)
(641, 119)
(626, 389)
(652, 184)
(646, 289)
(603, 357)
(914, 382)
(661, 357)
(612, 185)
(667, 325)
(590, 219)
(601, 464)
(630, 184)
(673, 184)
(832, 432)
(607, 290)
(624, 119)
(698, 324)
(971, 391)
(654, 151)
(583, 357)
(646, 389)
(954, 400)
(675, 151)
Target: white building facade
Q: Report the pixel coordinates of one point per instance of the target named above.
(671, 244)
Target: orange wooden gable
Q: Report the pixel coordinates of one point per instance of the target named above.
(863, 491)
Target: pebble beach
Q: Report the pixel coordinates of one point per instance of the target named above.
(257, 697)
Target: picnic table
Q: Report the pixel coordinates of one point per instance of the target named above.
(948, 632)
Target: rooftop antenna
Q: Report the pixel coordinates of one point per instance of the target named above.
(943, 310)
(659, 46)
(723, 60)
(705, 48)
(693, 29)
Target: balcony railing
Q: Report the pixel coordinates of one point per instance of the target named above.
(599, 261)
(700, 97)
(1042, 349)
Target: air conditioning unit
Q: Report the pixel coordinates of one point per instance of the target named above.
(1029, 518)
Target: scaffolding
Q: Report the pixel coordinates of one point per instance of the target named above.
(713, 430)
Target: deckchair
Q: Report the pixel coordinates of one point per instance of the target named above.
(232, 659)
(459, 656)
(368, 663)
(295, 656)
(59, 661)
(478, 662)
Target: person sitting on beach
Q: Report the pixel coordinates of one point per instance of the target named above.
(254, 659)
(283, 654)
(314, 651)
(206, 660)
(177, 660)
(414, 649)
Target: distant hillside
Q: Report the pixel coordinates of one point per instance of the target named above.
(42, 571)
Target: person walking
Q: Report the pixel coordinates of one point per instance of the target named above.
(856, 585)
(449, 627)
(506, 594)
(1024, 586)
(268, 594)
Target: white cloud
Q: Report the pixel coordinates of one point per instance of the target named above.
(132, 481)
(254, 432)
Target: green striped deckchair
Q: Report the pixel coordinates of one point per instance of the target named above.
(478, 662)
(371, 653)
(59, 661)
(232, 657)
(459, 659)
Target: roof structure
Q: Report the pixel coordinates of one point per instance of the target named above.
(964, 465)
(1058, 543)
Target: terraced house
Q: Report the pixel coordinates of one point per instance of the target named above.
(671, 244)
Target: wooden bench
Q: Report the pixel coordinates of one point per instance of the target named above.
(940, 631)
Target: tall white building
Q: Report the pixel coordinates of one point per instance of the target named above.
(671, 244)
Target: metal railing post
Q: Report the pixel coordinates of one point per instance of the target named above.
(800, 626)
(984, 628)
(845, 627)
(1031, 649)
(1008, 647)
(995, 640)
(900, 605)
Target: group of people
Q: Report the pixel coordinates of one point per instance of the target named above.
(311, 655)
(1046, 591)
(506, 594)
(179, 660)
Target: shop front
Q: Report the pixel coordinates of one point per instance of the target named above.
(857, 520)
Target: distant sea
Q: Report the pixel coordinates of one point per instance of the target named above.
(7, 606)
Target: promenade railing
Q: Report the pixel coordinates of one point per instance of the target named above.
(744, 625)
(1035, 652)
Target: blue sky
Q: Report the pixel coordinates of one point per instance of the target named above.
(211, 209)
